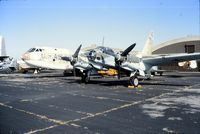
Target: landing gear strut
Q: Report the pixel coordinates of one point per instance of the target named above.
(85, 77)
(161, 73)
(134, 81)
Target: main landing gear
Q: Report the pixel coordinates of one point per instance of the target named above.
(134, 81)
(85, 78)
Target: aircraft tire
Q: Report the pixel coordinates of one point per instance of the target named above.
(87, 79)
(134, 81)
(153, 73)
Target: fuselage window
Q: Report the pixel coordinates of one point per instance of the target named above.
(98, 58)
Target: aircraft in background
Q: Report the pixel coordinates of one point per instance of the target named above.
(104, 60)
(47, 58)
(7, 64)
(147, 51)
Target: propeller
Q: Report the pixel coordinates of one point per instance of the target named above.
(73, 59)
(128, 50)
(75, 55)
(119, 58)
(122, 58)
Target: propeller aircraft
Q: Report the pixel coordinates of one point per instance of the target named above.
(103, 61)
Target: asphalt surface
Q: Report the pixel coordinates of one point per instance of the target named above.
(50, 103)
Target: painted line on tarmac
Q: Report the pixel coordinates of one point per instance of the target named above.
(57, 122)
(97, 114)
(69, 122)
(41, 130)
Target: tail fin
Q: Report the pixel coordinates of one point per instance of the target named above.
(2, 47)
(147, 50)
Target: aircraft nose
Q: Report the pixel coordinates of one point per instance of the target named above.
(25, 56)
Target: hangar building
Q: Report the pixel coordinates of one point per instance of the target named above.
(189, 44)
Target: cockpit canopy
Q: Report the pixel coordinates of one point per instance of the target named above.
(34, 50)
(105, 49)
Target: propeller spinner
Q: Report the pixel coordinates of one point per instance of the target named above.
(121, 57)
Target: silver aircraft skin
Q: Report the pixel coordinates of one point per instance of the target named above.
(7, 64)
(104, 61)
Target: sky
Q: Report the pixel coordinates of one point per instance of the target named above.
(69, 23)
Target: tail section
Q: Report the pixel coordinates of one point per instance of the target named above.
(2, 47)
(147, 50)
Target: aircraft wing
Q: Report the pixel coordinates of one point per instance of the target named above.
(170, 58)
(3, 57)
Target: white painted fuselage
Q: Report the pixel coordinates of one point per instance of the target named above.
(48, 58)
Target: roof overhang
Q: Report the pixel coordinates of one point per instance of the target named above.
(175, 41)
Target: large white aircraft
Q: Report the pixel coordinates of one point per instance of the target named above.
(47, 58)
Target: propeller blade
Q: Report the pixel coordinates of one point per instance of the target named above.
(66, 58)
(75, 55)
(127, 51)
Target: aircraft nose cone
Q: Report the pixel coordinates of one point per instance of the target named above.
(25, 56)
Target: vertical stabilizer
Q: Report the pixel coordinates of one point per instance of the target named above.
(147, 50)
(2, 47)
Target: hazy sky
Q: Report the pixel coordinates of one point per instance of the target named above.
(68, 23)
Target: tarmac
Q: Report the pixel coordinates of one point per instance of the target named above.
(53, 104)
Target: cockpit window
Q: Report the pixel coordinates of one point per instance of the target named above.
(34, 50)
(31, 50)
(105, 49)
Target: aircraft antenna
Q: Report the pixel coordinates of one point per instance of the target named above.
(102, 41)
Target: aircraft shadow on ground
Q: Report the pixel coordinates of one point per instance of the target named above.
(164, 84)
(115, 82)
(45, 76)
(181, 75)
(100, 82)
(124, 83)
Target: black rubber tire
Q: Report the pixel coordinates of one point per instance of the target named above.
(134, 81)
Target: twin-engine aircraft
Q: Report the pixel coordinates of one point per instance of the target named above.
(104, 61)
